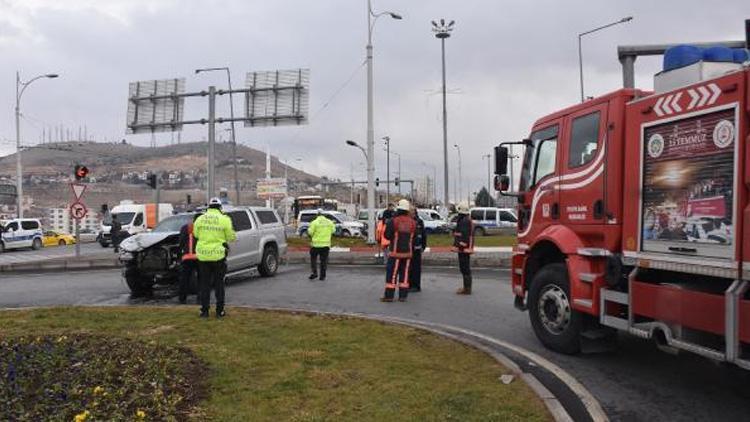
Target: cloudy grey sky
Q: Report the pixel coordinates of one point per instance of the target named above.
(509, 62)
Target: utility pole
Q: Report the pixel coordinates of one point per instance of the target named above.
(488, 157)
(442, 31)
(460, 188)
(211, 142)
(387, 140)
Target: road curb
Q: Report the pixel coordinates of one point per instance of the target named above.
(61, 265)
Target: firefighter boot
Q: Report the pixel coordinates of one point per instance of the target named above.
(466, 290)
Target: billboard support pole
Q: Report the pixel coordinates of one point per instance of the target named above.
(211, 142)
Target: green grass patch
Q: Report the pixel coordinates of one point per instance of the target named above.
(279, 366)
(434, 240)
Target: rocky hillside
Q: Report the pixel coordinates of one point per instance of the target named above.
(117, 171)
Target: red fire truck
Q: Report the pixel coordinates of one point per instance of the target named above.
(634, 214)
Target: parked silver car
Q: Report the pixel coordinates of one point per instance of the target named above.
(153, 258)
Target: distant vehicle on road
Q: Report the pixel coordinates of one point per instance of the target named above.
(346, 226)
(53, 238)
(21, 233)
(433, 221)
(133, 218)
(313, 202)
(153, 258)
(491, 220)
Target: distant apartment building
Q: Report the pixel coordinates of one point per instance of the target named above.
(59, 220)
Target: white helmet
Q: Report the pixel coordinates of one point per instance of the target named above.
(403, 205)
(462, 208)
(214, 203)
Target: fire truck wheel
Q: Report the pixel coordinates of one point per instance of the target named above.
(555, 322)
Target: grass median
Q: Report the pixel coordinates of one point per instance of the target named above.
(435, 240)
(257, 365)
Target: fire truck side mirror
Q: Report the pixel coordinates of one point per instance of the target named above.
(502, 183)
(501, 160)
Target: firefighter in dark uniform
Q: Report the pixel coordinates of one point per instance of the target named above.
(463, 243)
(188, 260)
(214, 231)
(420, 244)
(400, 231)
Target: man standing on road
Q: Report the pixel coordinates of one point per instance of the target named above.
(320, 231)
(214, 232)
(420, 244)
(399, 231)
(188, 260)
(463, 243)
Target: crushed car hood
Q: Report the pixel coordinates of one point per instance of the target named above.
(142, 241)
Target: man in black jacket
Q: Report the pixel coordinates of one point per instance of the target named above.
(420, 244)
(463, 243)
(399, 231)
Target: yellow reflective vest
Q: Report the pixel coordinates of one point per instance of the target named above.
(320, 231)
(213, 229)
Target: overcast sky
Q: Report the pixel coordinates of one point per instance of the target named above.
(509, 62)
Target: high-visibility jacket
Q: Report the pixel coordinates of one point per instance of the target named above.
(213, 230)
(463, 235)
(400, 230)
(320, 231)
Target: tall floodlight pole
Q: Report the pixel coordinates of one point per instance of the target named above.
(211, 188)
(488, 157)
(580, 54)
(372, 18)
(231, 114)
(443, 31)
(387, 140)
(460, 188)
(20, 88)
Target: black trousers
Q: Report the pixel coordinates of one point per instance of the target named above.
(397, 274)
(323, 254)
(464, 263)
(186, 273)
(211, 275)
(415, 276)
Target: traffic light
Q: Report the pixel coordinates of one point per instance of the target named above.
(396, 181)
(377, 181)
(80, 172)
(104, 208)
(151, 180)
(189, 199)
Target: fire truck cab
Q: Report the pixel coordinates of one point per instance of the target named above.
(634, 216)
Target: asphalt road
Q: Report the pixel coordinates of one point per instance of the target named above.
(50, 252)
(636, 383)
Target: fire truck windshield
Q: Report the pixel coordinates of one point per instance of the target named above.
(539, 157)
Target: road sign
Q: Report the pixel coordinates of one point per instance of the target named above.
(271, 188)
(78, 211)
(155, 106)
(78, 190)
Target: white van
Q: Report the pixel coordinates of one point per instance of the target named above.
(133, 218)
(491, 220)
(21, 233)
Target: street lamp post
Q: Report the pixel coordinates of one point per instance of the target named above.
(20, 88)
(580, 54)
(231, 114)
(460, 190)
(443, 31)
(434, 179)
(387, 140)
(372, 18)
(488, 157)
(370, 203)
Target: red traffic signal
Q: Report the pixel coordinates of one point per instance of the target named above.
(80, 172)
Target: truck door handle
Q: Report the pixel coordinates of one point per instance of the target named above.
(555, 211)
(598, 209)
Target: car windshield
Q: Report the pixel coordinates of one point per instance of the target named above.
(121, 217)
(173, 224)
(425, 216)
(343, 217)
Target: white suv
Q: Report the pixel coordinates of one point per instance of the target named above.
(21, 233)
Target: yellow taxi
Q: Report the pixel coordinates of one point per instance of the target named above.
(52, 238)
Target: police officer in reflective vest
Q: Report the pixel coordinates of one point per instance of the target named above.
(214, 232)
(320, 231)
(188, 260)
(400, 231)
(463, 243)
